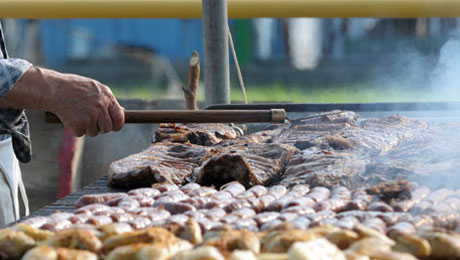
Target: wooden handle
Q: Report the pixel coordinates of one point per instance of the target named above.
(274, 116)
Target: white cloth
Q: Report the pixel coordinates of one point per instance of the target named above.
(10, 185)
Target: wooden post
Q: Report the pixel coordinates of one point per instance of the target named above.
(190, 93)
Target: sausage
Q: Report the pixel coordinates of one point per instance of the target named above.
(360, 200)
(379, 206)
(391, 218)
(110, 211)
(128, 204)
(234, 188)
(140, 222)
(299, 210)
(341, 193)
(318, 216)
(180, 219)
(248, 224)
(36, 222)
(303, 202)
(176, 207)
(271, 225)
(287, 216)
(219, 203)
(99, 220)
(376, 224)
(420, 221)
(221, 195)
(144, 201)
(196, 214)
(333, 204)
(215, 213)
(401, 228)
(421, 207)
(453, 203)
(202, 192)
(189, 187)
(61, 215)
(148, 192)
(447, 220)
(277, 191)
(258, 190)
(300, 190)
(245, 195)
(347, 222)
(56, 225)
(79, 218)
(417, 195)
(198, 202)
(172, 196)
(237, 204)
(438, 195)
(255, 204)
(265, 217)
(92, 209)
(229, 219)
(278, 204)
(121, 217)
(266, 200)
(208, 224)
(319, 194)
(164, 186)
(97, 198)
(158, 215)
(244, 213)
(360, 215)
(301, 223)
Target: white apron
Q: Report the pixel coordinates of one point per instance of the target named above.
(10, 185)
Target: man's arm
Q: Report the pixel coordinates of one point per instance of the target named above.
(84, 105)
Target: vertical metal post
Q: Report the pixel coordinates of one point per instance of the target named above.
(216, 59)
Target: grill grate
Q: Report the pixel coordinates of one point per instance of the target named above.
(66, 204)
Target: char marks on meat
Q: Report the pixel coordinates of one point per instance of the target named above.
(251, 164)
(201, 134)
(431, 158)
(160, 162)
(339, 151)
(327, 150)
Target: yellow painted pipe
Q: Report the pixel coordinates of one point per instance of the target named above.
(237, 8)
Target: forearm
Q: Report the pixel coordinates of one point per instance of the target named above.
(84, 105)
(28, 92)
(11, 70)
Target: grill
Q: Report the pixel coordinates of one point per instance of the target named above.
(67, 204)
(431, 112)
(383, 210)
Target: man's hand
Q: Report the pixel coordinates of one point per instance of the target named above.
(84, 105)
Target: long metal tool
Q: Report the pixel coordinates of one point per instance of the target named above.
(275, 116)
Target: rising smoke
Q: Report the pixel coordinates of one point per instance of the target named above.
(445, 79)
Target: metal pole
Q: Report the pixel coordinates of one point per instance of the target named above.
(216, 59)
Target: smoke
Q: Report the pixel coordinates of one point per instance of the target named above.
(445, 79)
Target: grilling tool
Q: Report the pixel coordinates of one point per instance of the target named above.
(274, 116)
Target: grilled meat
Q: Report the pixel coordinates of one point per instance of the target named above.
(200, 134)
(160, 162)
(323, 168)
(391, 190)
(251, 164)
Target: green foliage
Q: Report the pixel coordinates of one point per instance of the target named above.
(310, 94)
